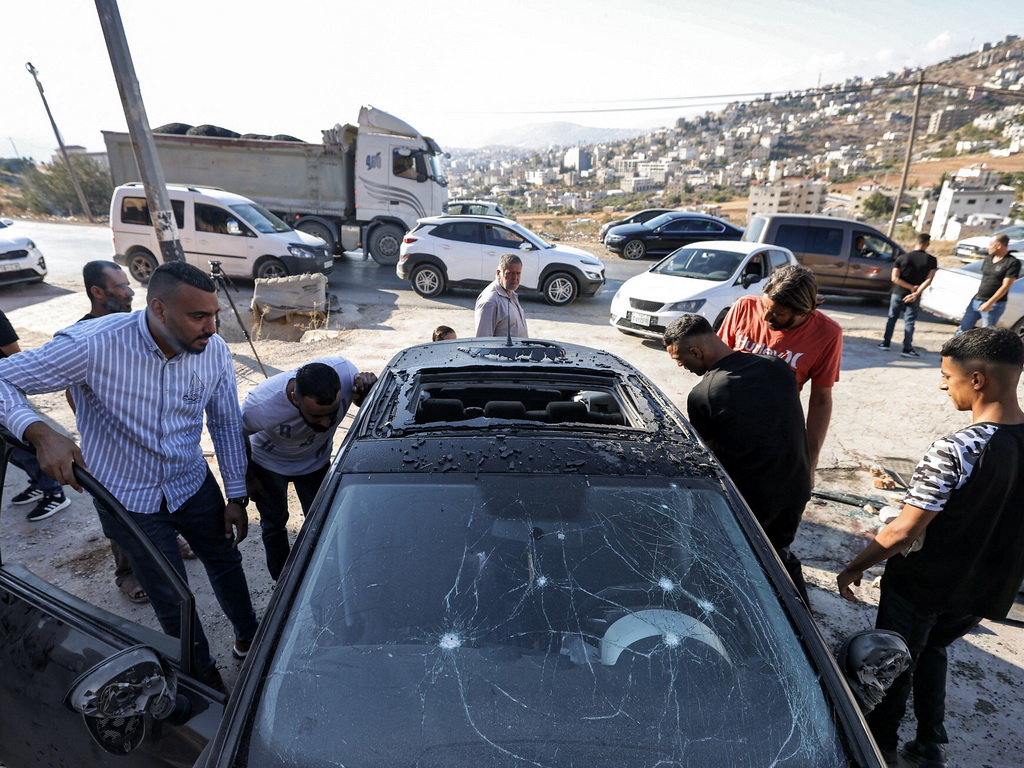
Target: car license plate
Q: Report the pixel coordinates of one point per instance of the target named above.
(640, 318)
(10, 267)
(327, 264)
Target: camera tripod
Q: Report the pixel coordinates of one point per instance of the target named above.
(222, 281)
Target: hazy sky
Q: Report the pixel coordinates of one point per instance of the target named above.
(456, 70)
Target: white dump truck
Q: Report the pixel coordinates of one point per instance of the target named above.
(365, 185)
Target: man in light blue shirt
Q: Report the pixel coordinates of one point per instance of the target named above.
(143, 382)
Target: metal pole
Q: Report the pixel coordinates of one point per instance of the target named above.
(60, 143)
(910, 150)
(138, 128)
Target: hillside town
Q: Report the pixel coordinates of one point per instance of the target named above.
(792, 153)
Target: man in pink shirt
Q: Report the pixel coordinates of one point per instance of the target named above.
(785, 322)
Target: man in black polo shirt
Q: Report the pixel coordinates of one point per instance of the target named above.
(912, 273)
(747, 409)
(956, 551)
(998, 272)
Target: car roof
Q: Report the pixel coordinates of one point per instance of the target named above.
(450, 217)
(652, 438)
(736, 246)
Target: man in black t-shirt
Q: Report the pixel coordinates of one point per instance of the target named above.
(747, 409)
(955, 554)
(912, 273)
(998, 272)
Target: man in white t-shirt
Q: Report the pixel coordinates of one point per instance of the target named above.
(289, 421)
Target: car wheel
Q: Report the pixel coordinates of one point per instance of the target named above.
(560, 289)
(634, 249)
(141, 265)
(720, 319)
(384, 244)
(1018, 327)
(316, 229)
(268, 266)
(428, 281)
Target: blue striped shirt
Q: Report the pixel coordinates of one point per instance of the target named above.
(140, 415)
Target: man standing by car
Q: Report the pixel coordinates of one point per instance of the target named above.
(290, 420)
(956, 552)
(1000, 269)
(497, 311)
(143, 383)
(912, 273)
(785, 322)
(747, 409)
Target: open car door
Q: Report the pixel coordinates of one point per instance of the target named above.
(79, 683)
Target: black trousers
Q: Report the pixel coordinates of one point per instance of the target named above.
(272, 503)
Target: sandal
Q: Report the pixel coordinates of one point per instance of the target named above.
(185, 549)
(131, 589)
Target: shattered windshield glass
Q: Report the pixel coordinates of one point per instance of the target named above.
(503, 620)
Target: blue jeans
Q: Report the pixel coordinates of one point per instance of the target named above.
(899, 307)
(988, 319)
(201, 521)
(37, 479)
(928, 635)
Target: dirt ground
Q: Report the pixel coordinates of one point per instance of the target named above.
(885, 407)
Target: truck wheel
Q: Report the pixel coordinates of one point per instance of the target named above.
(316, 229)
(560, 289)
(634, 249)
(141, 265)
(428, 281)
(384, 244)
(268, 266)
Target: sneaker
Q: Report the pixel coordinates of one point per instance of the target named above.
(883, 345)
(910, 353)
(28, 496)
(924, 754)
(49, 505)
(241, 648)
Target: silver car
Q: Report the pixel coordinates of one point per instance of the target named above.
(952, 290)
(20, 260)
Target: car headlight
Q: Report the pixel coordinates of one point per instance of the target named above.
(613, 238)
(593, 275)
(302, 253)
(694, 305)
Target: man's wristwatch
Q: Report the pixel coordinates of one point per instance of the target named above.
(242, 501)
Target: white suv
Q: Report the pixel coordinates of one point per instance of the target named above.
(20, 259)
(463, 251)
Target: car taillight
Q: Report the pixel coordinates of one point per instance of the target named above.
(410, 240)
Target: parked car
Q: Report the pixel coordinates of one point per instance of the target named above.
(951, 291)
(21, 261)
(664, 233)
(847, 257)
(635, 218)
(974, 248)
(521, 555)
(699, 279)
(463, 251)
(248, 240)
(473, 208)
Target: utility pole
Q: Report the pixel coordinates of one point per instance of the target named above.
(138, 128)
(60, 143)
(910, 151)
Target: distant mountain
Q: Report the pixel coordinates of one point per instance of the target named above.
(542, 135)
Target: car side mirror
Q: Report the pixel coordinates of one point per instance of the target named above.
(749, 279)
(233, 227)
(130, 683)
(525, 246)
(871, 661)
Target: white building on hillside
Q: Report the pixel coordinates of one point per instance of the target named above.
(972, 191)
(789, 195)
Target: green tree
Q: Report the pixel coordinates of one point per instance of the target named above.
(877, 206)
(49, 190)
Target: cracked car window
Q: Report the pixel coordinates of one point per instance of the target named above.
(558, 620)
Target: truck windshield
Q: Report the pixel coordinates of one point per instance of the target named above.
(436, 168)
(259, 218)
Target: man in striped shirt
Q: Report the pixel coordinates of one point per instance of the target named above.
(144, 381)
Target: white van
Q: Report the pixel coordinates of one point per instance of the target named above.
(213, 225)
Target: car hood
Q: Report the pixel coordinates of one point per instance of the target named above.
(579, 253)
(13, 243)
(629, 229)
(667, 288)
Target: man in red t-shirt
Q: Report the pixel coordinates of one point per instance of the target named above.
(785, 322)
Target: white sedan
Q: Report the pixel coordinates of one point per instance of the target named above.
(974, 248)
(20, 260)
(702, 278)
(952, 290)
